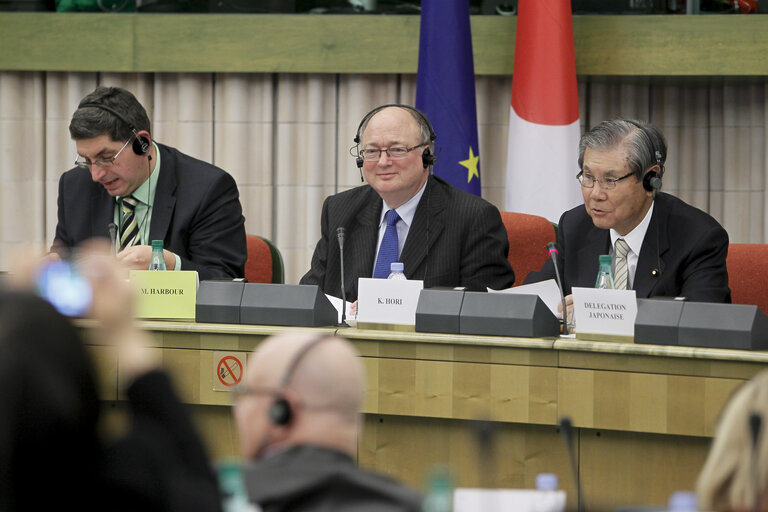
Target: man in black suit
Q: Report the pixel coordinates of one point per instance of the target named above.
(672, 249)
(445, 236)
(298, 420)
(143, 191)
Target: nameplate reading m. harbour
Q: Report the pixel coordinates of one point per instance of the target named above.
(167, 294)
(604, 312)
(387, 301)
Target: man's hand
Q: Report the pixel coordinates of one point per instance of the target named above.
(569, 308)
(138, 257)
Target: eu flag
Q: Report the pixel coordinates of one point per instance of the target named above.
(445, 90)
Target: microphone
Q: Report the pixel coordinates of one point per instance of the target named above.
(340, 233)
(112, 236)
(755, 423)
(566, 430)
(553, 252)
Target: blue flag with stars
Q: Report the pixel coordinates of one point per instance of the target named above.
(445, 90)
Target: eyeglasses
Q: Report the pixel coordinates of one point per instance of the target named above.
(588, 181)
(83, 162)
(395, 153)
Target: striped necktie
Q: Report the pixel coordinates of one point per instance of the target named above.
(388, 248)
(621, 274)
(129, 232)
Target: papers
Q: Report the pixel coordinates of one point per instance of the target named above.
(546, 290)
(337, 303)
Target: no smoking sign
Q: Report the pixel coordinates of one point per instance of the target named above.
(228, 369)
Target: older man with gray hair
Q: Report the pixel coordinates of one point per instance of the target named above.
(660, 245)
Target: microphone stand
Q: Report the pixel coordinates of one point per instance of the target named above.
(340, 237)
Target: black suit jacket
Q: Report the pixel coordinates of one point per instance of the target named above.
(196, 213)
(683, 253)
(457, 239)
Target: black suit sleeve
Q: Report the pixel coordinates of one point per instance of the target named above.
(484, 256)
(705, 275)
(216, 236)
(317, 272)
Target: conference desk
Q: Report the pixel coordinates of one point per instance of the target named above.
(489, 406)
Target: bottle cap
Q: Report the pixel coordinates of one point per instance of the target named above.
(605, 259)
(546, 482)
(396, 266)
(157, 244)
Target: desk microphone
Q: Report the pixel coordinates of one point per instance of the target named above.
(553, 252)
(566, 430)
(340, 233)
(112, 236)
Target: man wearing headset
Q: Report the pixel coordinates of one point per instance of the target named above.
(443, 236)
(298, 421)
(135, 190)
(660, 245)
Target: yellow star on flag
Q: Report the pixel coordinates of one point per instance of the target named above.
(471, 165)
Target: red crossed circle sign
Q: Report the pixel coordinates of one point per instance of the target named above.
(229, 371)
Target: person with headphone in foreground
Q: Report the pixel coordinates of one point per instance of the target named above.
(298, 419)
(129, 188)
(660, 245)
(443, 236)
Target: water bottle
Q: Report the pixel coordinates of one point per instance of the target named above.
(158, 260)
(682, 501)
(604, 273)
(549, 499)
(396, 271)
(439, 496)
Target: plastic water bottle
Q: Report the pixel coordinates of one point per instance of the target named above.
(396, 271)
(439, 496)
(550, 499)
(158, 260)
(682, 501)
(605, 273)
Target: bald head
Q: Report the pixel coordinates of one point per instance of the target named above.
(321, 378)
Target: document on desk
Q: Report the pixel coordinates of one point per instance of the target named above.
(337, 303)
(547, 291)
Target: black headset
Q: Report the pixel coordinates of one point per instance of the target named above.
(427, 157)
(280, 412)
(140, 144)
(652, 179)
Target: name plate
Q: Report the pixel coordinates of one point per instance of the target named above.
(169, 294)
(386, 302)
(605, 314)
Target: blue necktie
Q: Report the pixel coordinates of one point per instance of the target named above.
(388, 249)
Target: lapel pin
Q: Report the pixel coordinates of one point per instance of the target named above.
(655, 272)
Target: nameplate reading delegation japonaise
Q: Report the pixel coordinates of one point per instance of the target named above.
(605, 313)
(387, 301)
(169, 294)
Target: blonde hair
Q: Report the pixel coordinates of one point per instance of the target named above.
(727, 481)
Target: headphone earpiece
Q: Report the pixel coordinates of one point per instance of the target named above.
(652, 181)
(140, 145)
(359, 161)
(280, 412)
(427, 158)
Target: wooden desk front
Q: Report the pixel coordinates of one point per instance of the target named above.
(643, 414)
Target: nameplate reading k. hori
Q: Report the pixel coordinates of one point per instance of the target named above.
(605, 312)
(169, 294)
(388, 301)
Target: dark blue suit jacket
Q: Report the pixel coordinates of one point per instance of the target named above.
(683, 253)
(196, 213)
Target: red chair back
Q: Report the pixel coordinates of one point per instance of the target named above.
(528, 237)
(748, 274)
(258, 265)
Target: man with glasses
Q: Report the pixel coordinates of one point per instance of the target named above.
(442, 235)
(660, 245)
(129, 187)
